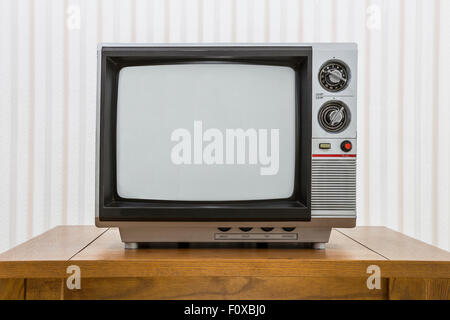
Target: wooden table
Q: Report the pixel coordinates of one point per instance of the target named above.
(410, 269)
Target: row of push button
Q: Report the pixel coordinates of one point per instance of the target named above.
(247, 229)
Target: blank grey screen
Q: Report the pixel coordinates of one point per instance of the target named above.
(154, 101)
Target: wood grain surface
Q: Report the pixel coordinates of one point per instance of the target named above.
(410, 269)
(395, 245)
(226, 288)
(44, 289)
(59, 243)
(12, 289)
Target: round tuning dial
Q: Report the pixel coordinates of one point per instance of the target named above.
(334, 116)
(334, 75)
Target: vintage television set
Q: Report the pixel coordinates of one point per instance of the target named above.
(226, 143)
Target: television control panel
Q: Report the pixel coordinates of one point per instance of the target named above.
(334, 130)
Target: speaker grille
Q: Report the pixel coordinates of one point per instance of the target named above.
(333, 185)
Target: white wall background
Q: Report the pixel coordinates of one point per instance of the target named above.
(47, 97)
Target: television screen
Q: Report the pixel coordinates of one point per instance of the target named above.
(206, 132)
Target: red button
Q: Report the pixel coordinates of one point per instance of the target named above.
(346, 146)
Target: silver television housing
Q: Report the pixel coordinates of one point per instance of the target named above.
(333, 173)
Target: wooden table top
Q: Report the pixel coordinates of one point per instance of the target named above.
(100, 253)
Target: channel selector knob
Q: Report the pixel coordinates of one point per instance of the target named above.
(334, 75)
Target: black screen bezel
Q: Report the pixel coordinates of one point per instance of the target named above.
(111, 207)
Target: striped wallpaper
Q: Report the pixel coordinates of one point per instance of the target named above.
(47, 97)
